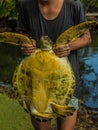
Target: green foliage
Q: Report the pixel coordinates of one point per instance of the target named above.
(1, 1)
(8, 8)
(13, 116)
(88, 3)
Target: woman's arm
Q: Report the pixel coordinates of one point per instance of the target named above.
(65, 49)
(81, 42)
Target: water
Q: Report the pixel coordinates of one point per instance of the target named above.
(10, 57)
(89, 73)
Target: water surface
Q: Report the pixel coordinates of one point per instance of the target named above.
(89, 73)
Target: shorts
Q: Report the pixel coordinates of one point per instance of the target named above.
(74, 102)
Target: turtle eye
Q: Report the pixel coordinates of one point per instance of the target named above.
(48, 39)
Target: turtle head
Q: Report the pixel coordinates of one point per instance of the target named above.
(45, 43)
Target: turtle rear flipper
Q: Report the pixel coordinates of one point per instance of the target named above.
(44, 115)
(62, 110)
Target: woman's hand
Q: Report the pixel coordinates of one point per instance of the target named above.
(62, 50)
(28, 49)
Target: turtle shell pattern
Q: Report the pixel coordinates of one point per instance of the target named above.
(45, 83)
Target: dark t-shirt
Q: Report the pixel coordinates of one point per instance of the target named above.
(31, 22)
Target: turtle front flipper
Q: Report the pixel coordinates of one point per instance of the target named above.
(14, 38)
(62, 110)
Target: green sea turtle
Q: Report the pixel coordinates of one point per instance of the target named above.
(44, 82)
(48, 82)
